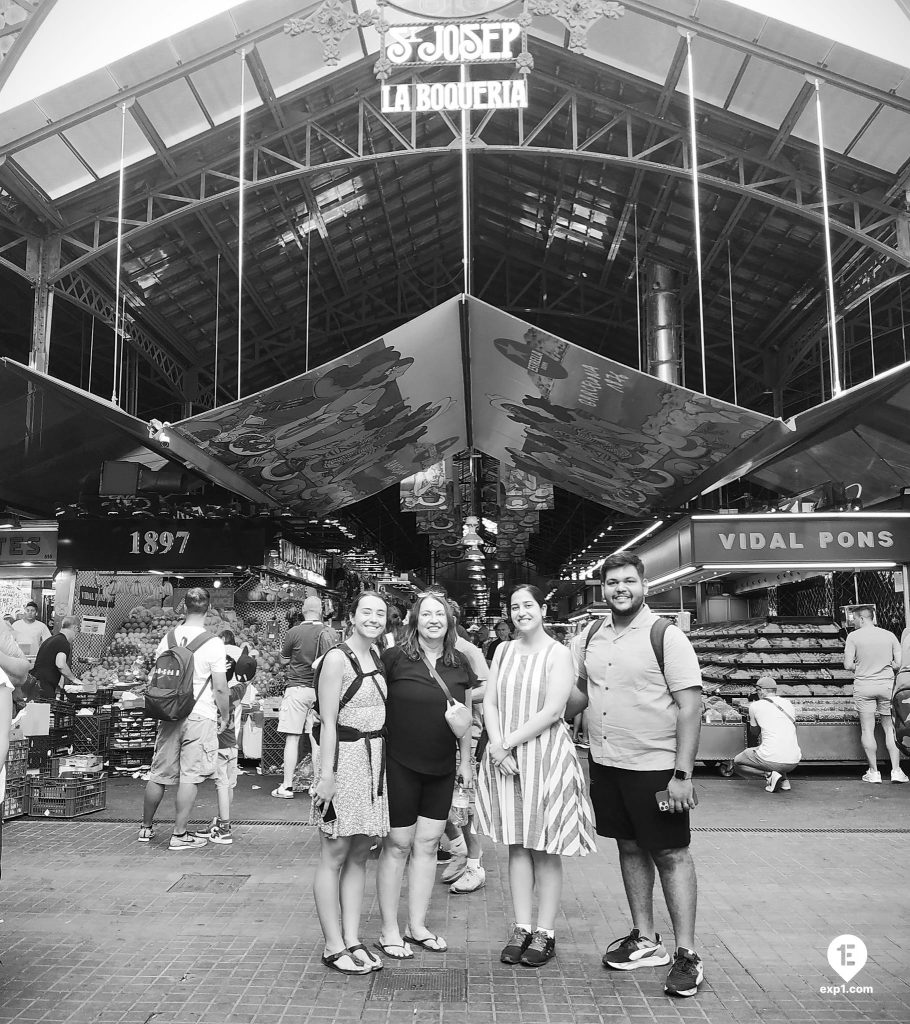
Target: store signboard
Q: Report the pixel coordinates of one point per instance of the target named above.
(800, 538)
(160, 544)
(94, 624)
(416, 46)
(28, 547)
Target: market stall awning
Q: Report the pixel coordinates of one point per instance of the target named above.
(462, 375)
(859, 437)
(54, 438)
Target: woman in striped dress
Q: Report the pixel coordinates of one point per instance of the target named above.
(531, 792)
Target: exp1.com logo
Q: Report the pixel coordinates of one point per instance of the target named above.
(847, 954)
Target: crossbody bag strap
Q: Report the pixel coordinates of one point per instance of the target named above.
(774, 704)
(438, 679)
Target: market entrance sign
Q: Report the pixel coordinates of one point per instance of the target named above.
(423, 46)
(422, 96)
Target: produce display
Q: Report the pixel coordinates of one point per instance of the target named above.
(133, 647)
(804, 656)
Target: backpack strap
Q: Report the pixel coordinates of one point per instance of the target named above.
(659, 629)
(589, 636)
(359, 675)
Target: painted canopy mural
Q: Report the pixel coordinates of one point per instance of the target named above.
(354, 426)
(588, 424)
(396, 407)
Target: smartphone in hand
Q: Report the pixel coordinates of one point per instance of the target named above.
(328, 815)
(663, 799)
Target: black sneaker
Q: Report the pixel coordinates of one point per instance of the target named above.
(518, 942)
(541, 949)
(635, 950)
(686, 974)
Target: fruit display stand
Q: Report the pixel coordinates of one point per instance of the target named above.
(805, 657)
(129, 659)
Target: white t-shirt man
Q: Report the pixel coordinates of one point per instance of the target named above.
(30, 636)
(208, 659)
(775, 717)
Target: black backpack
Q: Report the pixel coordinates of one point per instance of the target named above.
(900, 710)
(169, 695)
(658, 631)
(355, 684)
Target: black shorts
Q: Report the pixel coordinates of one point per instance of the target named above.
(414, 795)
(625, 808)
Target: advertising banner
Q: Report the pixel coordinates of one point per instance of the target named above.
(351, 428)
(591, 425)
(429, 489)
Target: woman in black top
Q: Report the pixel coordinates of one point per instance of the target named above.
(420, 767)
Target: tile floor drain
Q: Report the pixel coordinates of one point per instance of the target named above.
(448, 984)
(209, 883)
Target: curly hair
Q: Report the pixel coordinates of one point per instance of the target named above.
(411, 643)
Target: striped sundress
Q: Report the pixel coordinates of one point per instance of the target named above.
(545, 806)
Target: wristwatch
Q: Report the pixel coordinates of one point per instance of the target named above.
(678, 773)
(506, 745)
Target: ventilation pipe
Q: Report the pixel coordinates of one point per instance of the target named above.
(662, 324)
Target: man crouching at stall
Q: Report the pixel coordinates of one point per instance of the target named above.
(187, 691)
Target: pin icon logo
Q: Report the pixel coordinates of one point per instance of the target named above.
(847, 954)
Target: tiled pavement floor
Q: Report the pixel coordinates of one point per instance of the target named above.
(91, 933)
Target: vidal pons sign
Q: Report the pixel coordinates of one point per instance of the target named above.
(454, 44)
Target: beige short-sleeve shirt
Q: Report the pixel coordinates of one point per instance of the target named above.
(631, 712)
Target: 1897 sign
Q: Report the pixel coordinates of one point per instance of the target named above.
(162, 544)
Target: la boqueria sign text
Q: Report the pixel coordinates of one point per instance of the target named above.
(415, 46)
(801, 538)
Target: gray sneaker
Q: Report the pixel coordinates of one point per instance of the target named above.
(188, 841)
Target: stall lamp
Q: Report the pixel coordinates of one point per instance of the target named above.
(217, 584)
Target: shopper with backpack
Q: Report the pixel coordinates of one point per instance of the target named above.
(642, 686)
(187, 691)
(350, 804)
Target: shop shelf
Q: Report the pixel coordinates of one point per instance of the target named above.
(66, 798)
(16, 760)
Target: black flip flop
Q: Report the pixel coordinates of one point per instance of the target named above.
(332, 963)
(375, 964)
(430, 938)
(387, 949)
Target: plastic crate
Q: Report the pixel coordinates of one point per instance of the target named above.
(63, 714)
(42, 748)
(16, 760)
(130, 760)
(66, 798)
(14, 803)
(92, 733)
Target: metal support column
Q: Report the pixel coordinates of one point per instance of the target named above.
(663, 323)
(42, 262)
